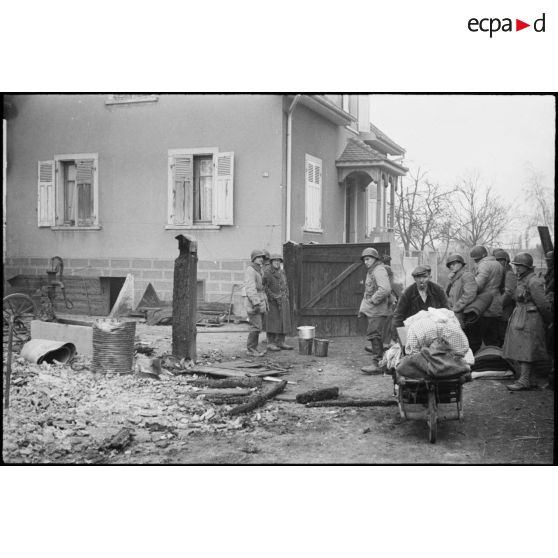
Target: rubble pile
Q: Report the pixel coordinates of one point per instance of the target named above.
(64, 414)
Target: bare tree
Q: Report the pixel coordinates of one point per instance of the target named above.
(422, 215)
(540, 200)
(478, 215)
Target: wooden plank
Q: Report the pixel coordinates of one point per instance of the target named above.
(214, 371)
(350, 311)
(332, 285)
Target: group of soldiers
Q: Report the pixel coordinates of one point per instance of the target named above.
(496, 305)
(499, 304)
(267, 302)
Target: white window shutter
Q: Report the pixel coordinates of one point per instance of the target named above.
(313, 194)
(181, 171)
(45, 201)
(318, 193)
(308, 174)
(223, 189)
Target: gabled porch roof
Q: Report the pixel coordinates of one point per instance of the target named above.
(359, 156)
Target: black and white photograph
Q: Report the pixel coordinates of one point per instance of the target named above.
(333, 278)
(278, 278)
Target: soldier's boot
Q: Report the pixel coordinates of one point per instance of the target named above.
(378, 351)
(371, 348)
(272, 343)
(252, 344)
(280, 342)
(524, 380)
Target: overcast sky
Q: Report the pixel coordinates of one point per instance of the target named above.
(450, 134)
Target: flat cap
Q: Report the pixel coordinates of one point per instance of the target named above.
(421, 270)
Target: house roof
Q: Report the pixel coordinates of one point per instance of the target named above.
(358, 154)
(377, 138)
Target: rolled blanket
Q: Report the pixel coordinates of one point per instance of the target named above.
(474, 310)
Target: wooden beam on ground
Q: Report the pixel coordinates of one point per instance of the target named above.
(258, 399)
(354, 403)
(318, 395)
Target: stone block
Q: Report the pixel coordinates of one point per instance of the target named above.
(80, 336)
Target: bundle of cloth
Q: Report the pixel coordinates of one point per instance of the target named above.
(436, 346)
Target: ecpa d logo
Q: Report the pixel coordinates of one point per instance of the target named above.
(492, 25)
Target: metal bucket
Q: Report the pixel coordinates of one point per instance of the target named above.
(306, 332)
(113, 346)
(305, 346)
(46, 350)
(320, 347)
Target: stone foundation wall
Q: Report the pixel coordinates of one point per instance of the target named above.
(218, 277)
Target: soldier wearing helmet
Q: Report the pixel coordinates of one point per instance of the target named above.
(462, 287)
(375, 306)
(278, 319)
(488, 276)
(549, 294)
(255, 301)
(525, 338)
(421, 295)
(506, 289)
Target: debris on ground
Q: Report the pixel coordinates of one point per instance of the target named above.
(318, 395)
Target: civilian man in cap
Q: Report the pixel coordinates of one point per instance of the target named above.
(506, 290)
(421, 295)
(488, 276)
(375, 306)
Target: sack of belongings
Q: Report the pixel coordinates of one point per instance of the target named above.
(424, 327)
(437, 361)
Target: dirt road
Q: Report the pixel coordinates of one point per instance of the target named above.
(59, 415)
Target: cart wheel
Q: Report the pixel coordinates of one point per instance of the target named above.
(432, 417)
(19, 309)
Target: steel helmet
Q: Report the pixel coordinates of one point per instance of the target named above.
(524, 259)
(276, 257)
(266, 255)
(478, 252)
(256, 253)
(386, 258)
(455, 258)
(372, 252)
(500, 254)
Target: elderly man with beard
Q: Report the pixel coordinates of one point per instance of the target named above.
(421, 295)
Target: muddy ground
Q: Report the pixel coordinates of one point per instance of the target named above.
(61, 415)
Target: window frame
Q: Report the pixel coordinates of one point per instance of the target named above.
(57, 200)
(217, 186)
(59, 190)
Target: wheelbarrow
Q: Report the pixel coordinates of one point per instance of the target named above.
(426, 398)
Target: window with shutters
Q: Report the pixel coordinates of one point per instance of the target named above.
(68, 192)
(200, 188)
(313, 194)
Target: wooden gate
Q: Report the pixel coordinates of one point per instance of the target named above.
(326, 284)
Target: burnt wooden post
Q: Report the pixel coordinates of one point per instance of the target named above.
(184, 299)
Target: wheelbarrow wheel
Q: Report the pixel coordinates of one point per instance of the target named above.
(432, 416)
(19, 310)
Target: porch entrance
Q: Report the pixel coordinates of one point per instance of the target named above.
(326, 283)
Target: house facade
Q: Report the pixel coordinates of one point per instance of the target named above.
(107, 182)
